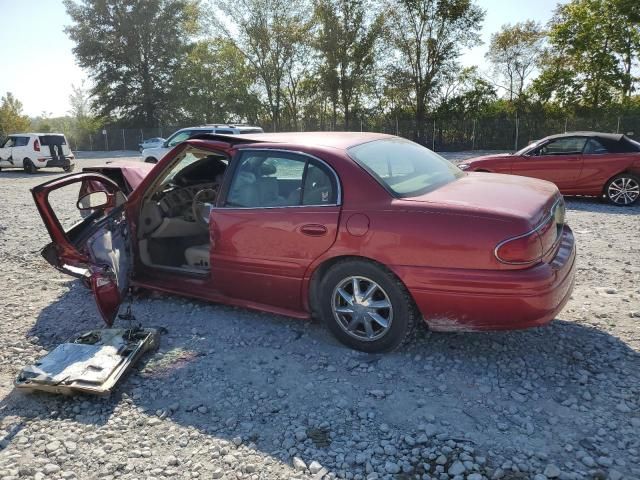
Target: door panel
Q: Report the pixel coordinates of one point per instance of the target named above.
(558, 161)
(262, 255)
(97, 248)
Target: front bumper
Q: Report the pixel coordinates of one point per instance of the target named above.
(471, 300)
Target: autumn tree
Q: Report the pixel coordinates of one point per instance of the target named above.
(12, 120)
(427, 37)
(132, 50)
(514, 52)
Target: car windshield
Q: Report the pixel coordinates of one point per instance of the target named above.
(403, 167)
(531, 146)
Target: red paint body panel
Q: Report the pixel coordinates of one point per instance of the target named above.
(440, 244)
(584, 174)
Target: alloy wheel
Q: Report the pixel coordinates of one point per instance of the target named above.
(623, 190)
(362, 308)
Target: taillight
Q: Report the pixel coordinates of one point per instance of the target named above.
(36, 145)
(522, 250)
(531, 247)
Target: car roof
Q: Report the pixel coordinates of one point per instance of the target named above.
(339, 140)
(609, 136)
(32, 133)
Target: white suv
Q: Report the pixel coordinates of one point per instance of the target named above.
(153, 155)
(31, 151)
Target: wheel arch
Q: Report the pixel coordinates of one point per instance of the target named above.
(631, 171)
(310, 296)
(151, 159)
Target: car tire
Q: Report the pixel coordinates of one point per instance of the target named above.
(28, 166)
(338, 284)
(623, 190)
(151, 160)
(68, 168)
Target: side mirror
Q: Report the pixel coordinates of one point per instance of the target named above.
(94, 200)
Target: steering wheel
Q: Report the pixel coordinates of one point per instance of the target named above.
(202, 202)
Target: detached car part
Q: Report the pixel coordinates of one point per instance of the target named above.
(92, 362)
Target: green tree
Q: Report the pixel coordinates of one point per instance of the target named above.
(270, 34)
(83, 121)
(346, 41)
(132, 49)
(427, 36)
(12, 120)
(514, 52)
(592, 48)
(216, 84)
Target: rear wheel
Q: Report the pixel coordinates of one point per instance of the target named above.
(68, 168)
(623, 189)
(28, 166)
(151, 160)
(366, 307)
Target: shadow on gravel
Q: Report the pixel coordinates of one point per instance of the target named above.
(23, 174)
(231, 372)
(590, 204)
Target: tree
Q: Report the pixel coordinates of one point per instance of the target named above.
(427, 36)
(12, 119)
(346, 41)
(592, 48)
(514, 52)
(269, 33)
(83, 120)
(216, 84)
(132, 49)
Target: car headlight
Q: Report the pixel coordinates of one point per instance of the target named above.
(463, 166)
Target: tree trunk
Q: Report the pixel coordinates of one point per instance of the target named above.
(421, 116)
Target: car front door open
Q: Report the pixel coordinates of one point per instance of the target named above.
(95, 246)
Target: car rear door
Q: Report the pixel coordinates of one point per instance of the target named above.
(96, 248)
(558, 161)
(279, 213)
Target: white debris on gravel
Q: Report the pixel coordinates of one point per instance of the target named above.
(233, 393)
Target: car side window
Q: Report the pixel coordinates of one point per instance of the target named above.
(563, 146)
(594, 147)
(9, 142)
(179, 138)
(21, 141)
(279, 179)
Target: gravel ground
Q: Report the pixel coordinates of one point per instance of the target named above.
(233, 393)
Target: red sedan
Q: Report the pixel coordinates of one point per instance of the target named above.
(582, 163)
(368, 232)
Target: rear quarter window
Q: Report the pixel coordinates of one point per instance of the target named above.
(404, 168)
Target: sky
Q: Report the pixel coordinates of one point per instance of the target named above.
(39, 68)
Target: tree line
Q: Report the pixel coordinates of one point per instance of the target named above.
(327, 64)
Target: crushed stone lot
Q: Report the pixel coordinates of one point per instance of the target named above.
(233, 393)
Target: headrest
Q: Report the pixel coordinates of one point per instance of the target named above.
(267, 168)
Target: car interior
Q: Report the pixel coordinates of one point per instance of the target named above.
(173, 231)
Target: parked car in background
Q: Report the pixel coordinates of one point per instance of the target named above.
(369, 232)
(151, 143)
(580, 163)
(32, 151)
(153, 155)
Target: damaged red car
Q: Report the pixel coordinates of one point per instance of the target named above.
(369, 232)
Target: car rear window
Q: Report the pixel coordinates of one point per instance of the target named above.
(46, 140)
(403, 167)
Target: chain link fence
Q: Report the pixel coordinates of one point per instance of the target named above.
(440, 133)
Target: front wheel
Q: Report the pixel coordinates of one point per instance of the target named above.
(366, 307)
(151, 160)
(28, 166)
(623, 189)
